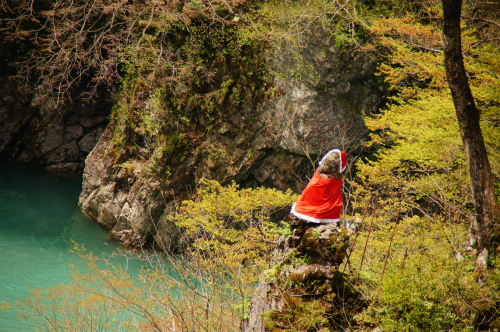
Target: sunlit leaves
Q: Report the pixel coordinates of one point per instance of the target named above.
(230, 227)
(420, 156)
(228, 238)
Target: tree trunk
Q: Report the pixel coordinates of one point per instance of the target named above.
(483, 193)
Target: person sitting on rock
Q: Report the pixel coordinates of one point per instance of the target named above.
(321, 200)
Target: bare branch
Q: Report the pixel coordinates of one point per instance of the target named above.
(482, 20)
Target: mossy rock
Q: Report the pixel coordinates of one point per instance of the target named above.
(313, 297)
(308, 291)
(324, 244)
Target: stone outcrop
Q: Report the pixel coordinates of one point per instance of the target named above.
(128, 238)
(56, 137)
(45, 134)
(323, 108)
(273, 145)
(303, 288)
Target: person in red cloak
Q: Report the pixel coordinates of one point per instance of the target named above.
(321, 200)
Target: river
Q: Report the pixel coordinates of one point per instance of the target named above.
(39, 219)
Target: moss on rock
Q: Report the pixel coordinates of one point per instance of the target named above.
(308, 291)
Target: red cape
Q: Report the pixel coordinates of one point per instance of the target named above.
(321, 201)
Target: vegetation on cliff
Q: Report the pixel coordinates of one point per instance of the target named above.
(189, 72)
(187, 67)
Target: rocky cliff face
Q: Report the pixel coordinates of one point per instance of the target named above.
(58, 137)
(275, 144)
(322, 108)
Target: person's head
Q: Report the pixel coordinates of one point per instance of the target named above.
(335, 161)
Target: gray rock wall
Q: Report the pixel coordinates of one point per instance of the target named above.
(276, 144)
(325, 98)
(57, 137)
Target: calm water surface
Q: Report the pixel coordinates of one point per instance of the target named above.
(39, 218)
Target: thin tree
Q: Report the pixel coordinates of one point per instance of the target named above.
(485, 228)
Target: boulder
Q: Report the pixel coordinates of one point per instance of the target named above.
(304, 289)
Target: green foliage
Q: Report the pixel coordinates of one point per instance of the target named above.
(416, 163)
(270, 274)
(435, 290)
(418, 157)
(230, 233)
(228, 236)
(242, 308)
(283, 229)
(300, 316)
(229, 226)
(190, 67)
(395, 8)
(297, 259)
(303, 30)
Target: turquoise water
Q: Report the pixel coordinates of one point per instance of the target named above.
(39, 218)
